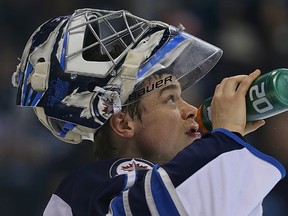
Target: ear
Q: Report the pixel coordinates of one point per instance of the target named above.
(122, 124)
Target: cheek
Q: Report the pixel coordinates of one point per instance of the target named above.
(163, 130)
(160, 138)
(162, 122)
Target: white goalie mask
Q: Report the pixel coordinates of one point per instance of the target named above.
(76, 71)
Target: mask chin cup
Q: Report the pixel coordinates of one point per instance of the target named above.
(64, 131)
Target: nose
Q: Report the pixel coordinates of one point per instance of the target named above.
(188, 111)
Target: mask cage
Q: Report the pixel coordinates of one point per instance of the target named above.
(107, 37)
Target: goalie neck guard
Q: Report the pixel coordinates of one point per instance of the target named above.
(76, 71)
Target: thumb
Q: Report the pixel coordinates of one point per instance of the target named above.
(252, 126)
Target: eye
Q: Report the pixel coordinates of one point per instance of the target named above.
(171, 99)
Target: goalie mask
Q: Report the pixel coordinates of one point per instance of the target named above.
(76, 71)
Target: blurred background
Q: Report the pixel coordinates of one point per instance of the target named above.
(252, 33)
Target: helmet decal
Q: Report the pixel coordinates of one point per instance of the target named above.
(27, 96)
(27, 72)
(104, 104)
(58, 90)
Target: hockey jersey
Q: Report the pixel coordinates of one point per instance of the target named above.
(219, 174)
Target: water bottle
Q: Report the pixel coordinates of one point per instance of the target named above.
(266, 97)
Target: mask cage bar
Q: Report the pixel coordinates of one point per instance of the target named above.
(139, 24)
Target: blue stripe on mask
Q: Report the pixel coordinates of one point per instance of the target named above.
(161, 53)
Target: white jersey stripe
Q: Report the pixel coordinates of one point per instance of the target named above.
(149, 195)
(131, 177)
(57, 206)
(126, 204)
(171, 189)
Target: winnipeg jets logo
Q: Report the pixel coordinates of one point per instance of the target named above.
(107, 105)
(124, 166)
(100, 103)
(133, 166)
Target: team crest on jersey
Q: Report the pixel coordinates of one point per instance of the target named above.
(123, 166)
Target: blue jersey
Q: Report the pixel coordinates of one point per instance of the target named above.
(219, 174)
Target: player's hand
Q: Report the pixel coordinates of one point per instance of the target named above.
(228, 106)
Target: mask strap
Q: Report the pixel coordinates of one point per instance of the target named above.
(130, 67)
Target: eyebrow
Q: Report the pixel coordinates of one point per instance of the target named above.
(171, 86)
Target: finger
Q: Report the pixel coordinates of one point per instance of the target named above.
(218, 90)
(228, 83)
(252, 126)
(246, 83)
(232, 83)
(219, 87)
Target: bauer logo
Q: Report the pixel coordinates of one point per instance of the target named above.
(138, 93)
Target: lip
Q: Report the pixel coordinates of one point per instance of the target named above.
(193, 132)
